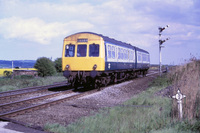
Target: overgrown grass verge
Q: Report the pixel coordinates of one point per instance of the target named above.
(20, 82)
(187, 79)
(145, 112)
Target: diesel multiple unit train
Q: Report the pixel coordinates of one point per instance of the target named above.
(93, 60)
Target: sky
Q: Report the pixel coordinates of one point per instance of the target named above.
(30, 29)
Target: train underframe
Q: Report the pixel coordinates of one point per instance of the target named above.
(96, 79)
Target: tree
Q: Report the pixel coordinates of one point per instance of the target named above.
(45, 67)
(58, 64)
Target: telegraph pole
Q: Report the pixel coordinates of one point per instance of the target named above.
(160, 46)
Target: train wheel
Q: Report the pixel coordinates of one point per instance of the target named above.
(144, 73)
(104, 81)
(96, 84)
(76, 84)
(75, 87)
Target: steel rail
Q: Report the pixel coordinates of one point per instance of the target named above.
(29, 88)
(38, 89)
(3, 106)
(43, 105)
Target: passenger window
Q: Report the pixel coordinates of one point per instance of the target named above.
(94, 50)
(69, 50)
(118, 53)
(109, 51)
(143, 57)
(81, 50)
(126, 54)
(121, 54)
(113, 52)
(139, 57)
(131, 55)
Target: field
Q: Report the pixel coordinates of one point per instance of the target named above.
(2, 70)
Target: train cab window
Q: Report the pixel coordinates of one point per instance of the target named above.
(69, 50)
(81, 50)
(94, 50)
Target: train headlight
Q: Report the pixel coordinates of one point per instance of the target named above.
(94, 67)
(67, 67)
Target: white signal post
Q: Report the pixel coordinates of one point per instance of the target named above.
(179, 98)
(160, 46)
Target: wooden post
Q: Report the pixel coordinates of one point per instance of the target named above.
(179, 98)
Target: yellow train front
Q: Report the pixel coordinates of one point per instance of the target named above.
(93, 60)
(83, 57)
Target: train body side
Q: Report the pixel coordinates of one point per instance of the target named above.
(142, 58)
(119, 57)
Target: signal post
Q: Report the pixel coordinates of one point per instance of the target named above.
(160, 46)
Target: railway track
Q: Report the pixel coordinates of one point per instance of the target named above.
(29, 90)
(31, 107)
(18, 107)
(14, 100)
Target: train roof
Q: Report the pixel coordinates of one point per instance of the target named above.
(111, 40)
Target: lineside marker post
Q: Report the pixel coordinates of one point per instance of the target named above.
(179, 98)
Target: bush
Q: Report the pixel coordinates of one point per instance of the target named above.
(58, 64)
(7, 73)
(45, 67)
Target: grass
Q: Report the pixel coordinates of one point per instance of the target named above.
(24, 81)
(143, 113)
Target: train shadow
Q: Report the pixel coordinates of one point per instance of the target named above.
(63, 88)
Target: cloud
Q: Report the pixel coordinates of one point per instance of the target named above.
(131, 21)
(35, 29)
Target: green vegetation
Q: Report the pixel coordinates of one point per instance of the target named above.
(143, 113)
(147, 112)
(45, 67)
(58, 64)
(24, 81)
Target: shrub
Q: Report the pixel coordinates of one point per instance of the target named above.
(58, 64)
(7, 73)
(45, 67)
